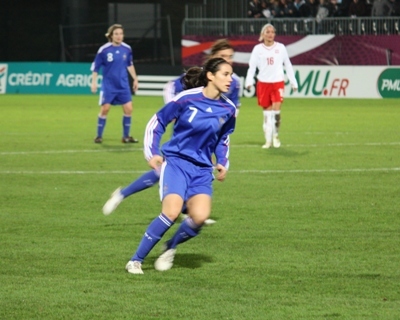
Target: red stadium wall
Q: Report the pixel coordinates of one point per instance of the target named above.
(306, 50)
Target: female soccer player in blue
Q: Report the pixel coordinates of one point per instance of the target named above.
(115, 58)
(203, 120)
(220, 49)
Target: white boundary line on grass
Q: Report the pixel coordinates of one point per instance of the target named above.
(8, 153)
(328, 145)
(80, 172)
(11, 153)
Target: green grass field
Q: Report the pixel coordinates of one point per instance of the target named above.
(307, 231)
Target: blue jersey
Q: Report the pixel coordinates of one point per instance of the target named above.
(174, 87)
(202, 128)
(114, 60)
(234, 90)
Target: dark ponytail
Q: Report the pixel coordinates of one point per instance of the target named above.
(192, 78)
(197, 77)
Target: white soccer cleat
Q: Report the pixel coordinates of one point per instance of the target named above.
(276, 142)
(209, 222)
(267, 145)
(114, 201)
(134, 267)
(165, 261)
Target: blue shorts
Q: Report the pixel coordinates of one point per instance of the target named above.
(115, 98)
(182, 177)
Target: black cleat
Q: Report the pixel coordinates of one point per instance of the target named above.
(129, 140)
(98, 140)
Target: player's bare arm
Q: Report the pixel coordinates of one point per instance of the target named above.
(93, 87)
(133, 74)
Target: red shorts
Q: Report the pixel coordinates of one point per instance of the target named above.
(268, 93)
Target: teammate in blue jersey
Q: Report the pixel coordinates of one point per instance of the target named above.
(203, 120)
(220, 49)
(172, 88)
(115, 59)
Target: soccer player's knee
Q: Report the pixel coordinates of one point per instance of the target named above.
(104, 111)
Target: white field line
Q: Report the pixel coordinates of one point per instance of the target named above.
(8, 153)
(11, 153)
(80, 172)
(377, 144)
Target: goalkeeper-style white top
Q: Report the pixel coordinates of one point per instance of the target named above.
(269, 61)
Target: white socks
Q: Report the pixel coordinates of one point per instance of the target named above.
(269, 125)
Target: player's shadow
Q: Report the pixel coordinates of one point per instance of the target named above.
(187, 260)
(192, 260)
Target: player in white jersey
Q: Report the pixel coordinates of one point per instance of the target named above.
(203, 119)
(115, 59)
(269, 57)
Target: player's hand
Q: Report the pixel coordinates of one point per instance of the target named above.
(93, 88)
(221, 175)
(156, 162)
(135, 85)
(294, 89)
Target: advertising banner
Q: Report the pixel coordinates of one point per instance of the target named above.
(346, 82)
(329, 49)
(314, 81)
(340, 82)
(45, 77)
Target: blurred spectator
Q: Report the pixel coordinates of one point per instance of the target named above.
(288, 8)
(313, 4)
(277, 9)
(324, 11)
(357, 8)
(344, 7)
(335, 8)
(254, 9)
(266, 9)
(396, 8)
(302, 9)
(382, 8)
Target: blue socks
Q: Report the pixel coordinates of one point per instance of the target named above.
(186, 231)
(157, 228)
(126, 125)
(101, 123)
(145, 181)
(153, 234)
